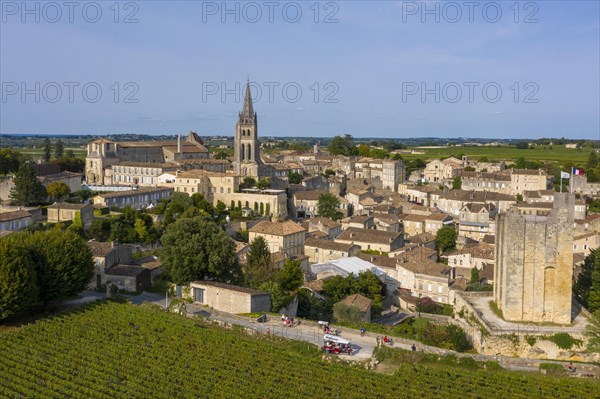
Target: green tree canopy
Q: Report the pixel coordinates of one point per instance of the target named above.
(64, 264)
(592, 333)
(457, 183)
(342, 146)
(294, 177)
(27, 189)
(59, 149)
(58, 190)
(291, 276)
(47, 150)
(445, 239)
(10, 160)
(329, 206)
(18, 283)
(587, 286)
(264, 183)
(259, 268)
(195, 249)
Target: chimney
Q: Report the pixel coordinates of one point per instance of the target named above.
(179, 144)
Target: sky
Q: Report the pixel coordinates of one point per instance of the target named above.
(368, 68)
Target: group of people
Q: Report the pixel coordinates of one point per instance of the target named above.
(288, 321)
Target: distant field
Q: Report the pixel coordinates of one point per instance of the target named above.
(37, 153)
(124, 351)
(539, 153)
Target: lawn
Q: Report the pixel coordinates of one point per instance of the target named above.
(114, 350)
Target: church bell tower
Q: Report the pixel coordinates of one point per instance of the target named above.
(247, 160)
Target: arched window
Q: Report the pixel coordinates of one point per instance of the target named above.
(242, 152)
(249, 152)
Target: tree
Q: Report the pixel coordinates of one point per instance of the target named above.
(522, 145)
(10, 160)
(347, 313)
(587, 286)
(291, 276)
(259, 268)
(18, 286)
(59, 149)
(77, 225)
(294, 177)
(338, 287)
(457, 183)
(445, 239)
(342, 146)
(99, 230)
(279, 299)
(27, 189)
(196, 249)
(47, 150)
(221, 154)
(248, 182)
(475, 276)
(58, 190)
(70, 164)
(329, 206)
(592, 332)
(64, 264)
(263, 183)
(141, 230)
(364, 150)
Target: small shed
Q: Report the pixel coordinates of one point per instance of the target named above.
(229, 298)
(362, 303)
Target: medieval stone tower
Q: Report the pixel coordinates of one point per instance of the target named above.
(247, 160)
(534, 264)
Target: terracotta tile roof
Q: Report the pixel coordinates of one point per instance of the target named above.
(99, 248)
(327, 244)
(277, 228)
(359, 301)
(476, 196)
(310, 195)
(14, 215)
(378, 260)
(368, 235)
(422, 238)
(324, 221)
(426, 267)
(68, 205)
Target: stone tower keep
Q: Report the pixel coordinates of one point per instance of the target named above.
(247, 160)
(534, 264)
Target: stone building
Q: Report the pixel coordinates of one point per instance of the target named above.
(137, 199)
(102, 154)
(229, 298)
(285, 237)
(477, 220)
(64, 211)
(534, 264)
(15, 221)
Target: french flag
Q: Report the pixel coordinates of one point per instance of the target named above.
(575, 171)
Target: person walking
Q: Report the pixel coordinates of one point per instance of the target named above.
(413, 347)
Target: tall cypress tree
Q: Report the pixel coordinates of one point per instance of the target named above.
(47, 150)
(27, 190)
(59, 149)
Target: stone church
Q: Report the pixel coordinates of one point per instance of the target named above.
(534, 264)
(246, 161)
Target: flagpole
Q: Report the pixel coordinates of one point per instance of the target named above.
(561, 181)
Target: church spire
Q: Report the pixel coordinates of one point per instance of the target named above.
(248, 110)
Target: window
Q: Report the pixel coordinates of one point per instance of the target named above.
(439, 289)
(429, 287)
(199, 295)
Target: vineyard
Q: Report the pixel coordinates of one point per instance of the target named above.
(113, 350)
